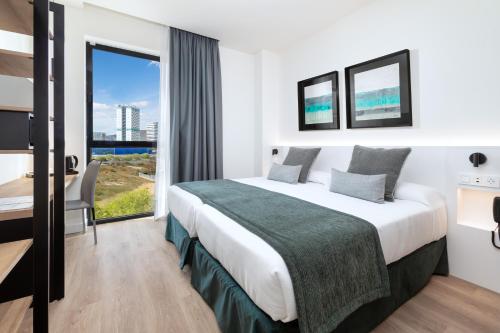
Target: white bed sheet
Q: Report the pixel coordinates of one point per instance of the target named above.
(183, 206)
(403, 227)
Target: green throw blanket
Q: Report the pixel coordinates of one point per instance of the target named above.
(334, 259)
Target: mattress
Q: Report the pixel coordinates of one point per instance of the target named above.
(403, 227)
(183, 206)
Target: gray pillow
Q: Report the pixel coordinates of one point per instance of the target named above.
(379, 161)
(304, 157)
(285, 173)
(364, 187)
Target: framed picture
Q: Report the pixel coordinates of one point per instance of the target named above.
(378, 92)
(319, 102)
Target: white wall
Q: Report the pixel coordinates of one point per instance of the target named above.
(268, 92)
(454, 68)
(13, 167)
(107, 27)
(15, 91)
(238, 114)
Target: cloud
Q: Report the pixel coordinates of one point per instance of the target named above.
(140, 104)
(154, 63)
(104, 121)
(102, 106)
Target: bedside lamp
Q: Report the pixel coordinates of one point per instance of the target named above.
(477, 159)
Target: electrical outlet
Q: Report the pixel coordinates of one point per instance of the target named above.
(476, 180)
(491, 181)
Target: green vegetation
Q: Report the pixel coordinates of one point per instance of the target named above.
(120, 190)
(127, 203)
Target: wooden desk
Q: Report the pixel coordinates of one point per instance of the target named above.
(23, 187)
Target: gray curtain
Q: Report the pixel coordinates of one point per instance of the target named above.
(195, 107)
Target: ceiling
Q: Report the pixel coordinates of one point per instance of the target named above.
(245, 25)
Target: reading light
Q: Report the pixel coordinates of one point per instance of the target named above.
(477, 159)
(274, 151)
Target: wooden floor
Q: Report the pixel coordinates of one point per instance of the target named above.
(130, 282)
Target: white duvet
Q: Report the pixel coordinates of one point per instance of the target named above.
(403, 227)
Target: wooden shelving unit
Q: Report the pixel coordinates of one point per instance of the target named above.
(24, 187)
(16, 20)
(15, 108)
(10, 254)
(17, 152)
(17, 16)
(12, 313)
(33, 266)
(15, 65)
(16, 53)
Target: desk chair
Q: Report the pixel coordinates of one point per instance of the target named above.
(87, 192)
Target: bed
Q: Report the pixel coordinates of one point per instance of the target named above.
(181, 222)
(411, 229)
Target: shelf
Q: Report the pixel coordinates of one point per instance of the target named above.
(479, 188)
(15, 108)
(17, 152)
(16, 16)
(474, 207)
(15, 65)
(12, 313)
(24, 187)
(16, 44)
(10, 254)
(16, 53)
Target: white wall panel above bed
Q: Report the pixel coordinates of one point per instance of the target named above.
(425, 165)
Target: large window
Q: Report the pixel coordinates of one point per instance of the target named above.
(122, 128)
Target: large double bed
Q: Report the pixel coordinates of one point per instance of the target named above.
(247, 282)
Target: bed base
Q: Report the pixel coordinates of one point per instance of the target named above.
(237, 313)
(176, 234)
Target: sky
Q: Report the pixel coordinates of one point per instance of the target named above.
(121, 79)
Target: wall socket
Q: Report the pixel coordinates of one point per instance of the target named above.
(479, 180)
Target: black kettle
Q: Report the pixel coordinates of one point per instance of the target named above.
(71, 164)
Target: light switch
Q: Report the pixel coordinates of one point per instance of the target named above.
(464, 179)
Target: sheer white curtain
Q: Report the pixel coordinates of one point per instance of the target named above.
(163, 149)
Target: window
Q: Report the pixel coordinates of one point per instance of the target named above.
(123, 97)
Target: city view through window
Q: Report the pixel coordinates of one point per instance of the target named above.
(124, 116)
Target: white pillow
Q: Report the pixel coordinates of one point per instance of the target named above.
(419, 193)
(319, 177)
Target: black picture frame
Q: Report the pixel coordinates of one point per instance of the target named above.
(402, 58)
(301, 86)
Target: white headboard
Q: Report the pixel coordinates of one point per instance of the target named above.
(425, 165)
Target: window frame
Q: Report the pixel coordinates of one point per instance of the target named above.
(90, 142)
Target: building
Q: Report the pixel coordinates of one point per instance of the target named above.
(128, 120)
(144, 135)
(99, 136)
(111, 137)
(152, 131)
